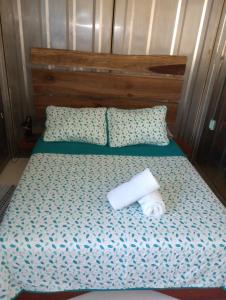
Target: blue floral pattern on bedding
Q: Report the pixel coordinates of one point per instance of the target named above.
(60, 232)
(85, 124)
(137, 126)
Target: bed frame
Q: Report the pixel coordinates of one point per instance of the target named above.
(80, 79)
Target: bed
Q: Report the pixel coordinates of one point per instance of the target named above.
(60, 233)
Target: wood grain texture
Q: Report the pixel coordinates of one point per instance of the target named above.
(125, 81)
(168, 64)
(106, 84)
(87, 89)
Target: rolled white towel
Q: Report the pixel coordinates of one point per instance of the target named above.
(152, 204)
(132, 190)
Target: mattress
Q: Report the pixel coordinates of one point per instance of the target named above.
(60, 233)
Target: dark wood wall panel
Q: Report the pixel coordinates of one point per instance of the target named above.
(106, 84)
(164, 64)
(125, 81)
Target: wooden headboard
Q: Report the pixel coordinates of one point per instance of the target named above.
(81, 79)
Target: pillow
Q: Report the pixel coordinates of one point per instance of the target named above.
(86, 125)
(138, 126)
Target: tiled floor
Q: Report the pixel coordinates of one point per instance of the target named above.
(13, 171)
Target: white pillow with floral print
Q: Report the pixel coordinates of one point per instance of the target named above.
(86, 125)
(137, 126)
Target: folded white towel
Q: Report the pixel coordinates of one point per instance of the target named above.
(152, 204)
(129, 192)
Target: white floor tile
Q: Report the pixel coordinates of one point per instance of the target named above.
(13, 171)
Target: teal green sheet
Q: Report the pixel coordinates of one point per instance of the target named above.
(82, 148)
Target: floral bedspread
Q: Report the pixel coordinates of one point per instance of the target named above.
(60, 232)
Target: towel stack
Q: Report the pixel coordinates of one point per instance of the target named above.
(143, 188)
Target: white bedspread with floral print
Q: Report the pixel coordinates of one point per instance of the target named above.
(60, 232)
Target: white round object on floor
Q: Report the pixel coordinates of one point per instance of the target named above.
(124, 295)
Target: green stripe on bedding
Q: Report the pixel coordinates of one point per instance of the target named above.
(82, 148)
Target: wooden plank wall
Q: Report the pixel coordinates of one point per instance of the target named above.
(77, 79)
(163, 64)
